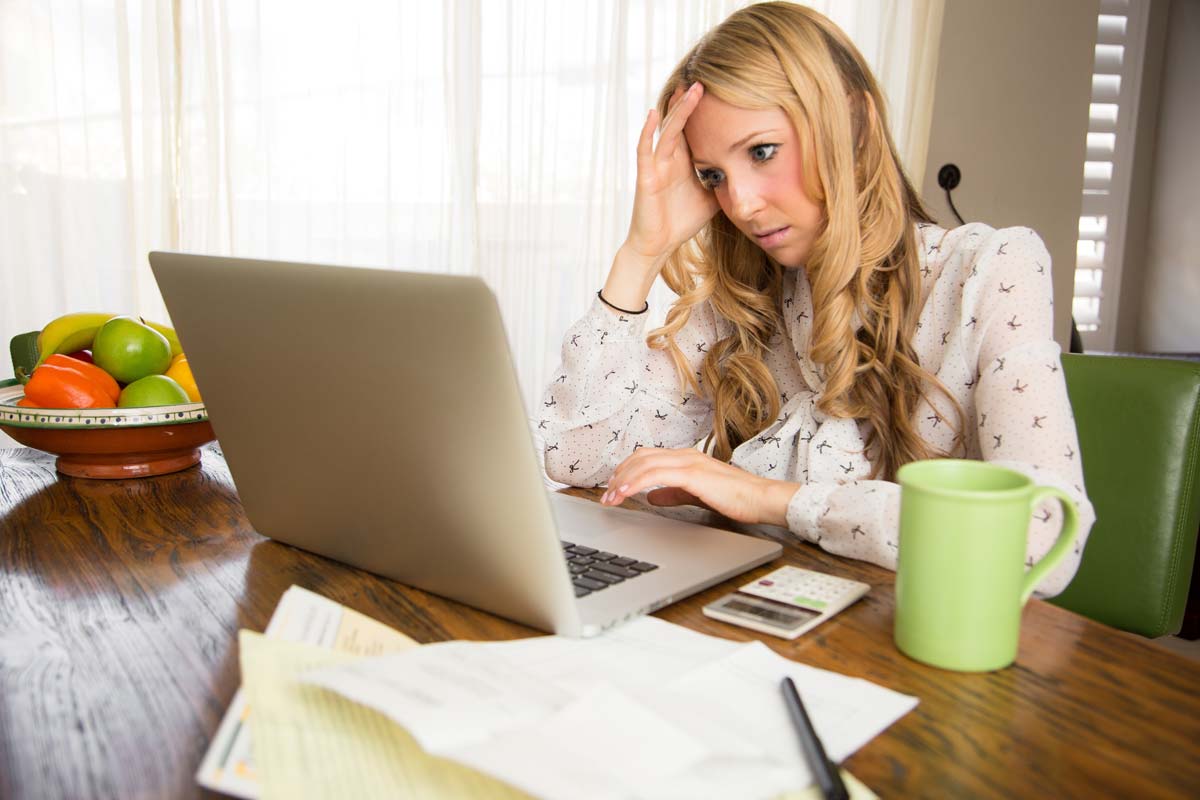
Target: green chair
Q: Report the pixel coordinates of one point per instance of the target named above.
(1139, 437)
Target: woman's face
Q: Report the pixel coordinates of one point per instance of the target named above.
(751, 161)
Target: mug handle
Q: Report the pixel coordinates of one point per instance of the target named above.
(1066, 537)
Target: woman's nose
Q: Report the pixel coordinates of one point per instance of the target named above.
(745, 199)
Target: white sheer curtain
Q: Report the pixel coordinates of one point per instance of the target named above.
(488, 138)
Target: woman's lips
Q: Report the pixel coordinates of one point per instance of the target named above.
(772, 238)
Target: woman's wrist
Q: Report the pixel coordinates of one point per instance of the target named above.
(775, 497)
(630, 279)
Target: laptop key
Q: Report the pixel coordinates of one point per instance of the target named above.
(587, 583)
(610, 569)
(580, 591)
(581, 550)
(596, 575)
(644, 566)
(604, 556)
(577, 569)
(566, 544)
(580, 561)
(623, 561)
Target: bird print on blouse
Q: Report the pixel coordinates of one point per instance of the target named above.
(984, 331)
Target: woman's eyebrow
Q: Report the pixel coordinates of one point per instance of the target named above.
(737, 144)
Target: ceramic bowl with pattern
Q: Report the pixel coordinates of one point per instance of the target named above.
(109, 443)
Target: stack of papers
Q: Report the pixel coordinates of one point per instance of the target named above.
(648, 710)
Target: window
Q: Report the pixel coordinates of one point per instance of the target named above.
(1116, 76)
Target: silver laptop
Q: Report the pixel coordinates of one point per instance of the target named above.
(374, 417)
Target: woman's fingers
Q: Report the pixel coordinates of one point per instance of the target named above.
(672, 131)
(707, 483)
(645, 145)
(674, 101)
(636, 472)
(679, 476)
(688, 477)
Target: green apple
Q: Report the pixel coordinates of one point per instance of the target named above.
(128, 349)
(152, 390)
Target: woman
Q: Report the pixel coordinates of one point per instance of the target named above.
(826, 331)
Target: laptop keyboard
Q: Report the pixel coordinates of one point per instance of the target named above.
(593, 570)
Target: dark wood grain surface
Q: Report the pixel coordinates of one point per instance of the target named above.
(120, 604)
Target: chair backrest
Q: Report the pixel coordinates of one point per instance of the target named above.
(1139, 437)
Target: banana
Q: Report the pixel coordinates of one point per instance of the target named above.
(69, 333)
(73, 332)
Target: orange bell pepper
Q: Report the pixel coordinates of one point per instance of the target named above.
(89, 370)
(52, 386)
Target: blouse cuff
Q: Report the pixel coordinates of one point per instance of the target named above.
(806, 508)
(617, 324)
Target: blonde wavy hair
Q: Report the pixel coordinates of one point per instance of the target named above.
(863, 266)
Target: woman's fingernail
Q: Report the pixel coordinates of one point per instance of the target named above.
(624, 488)
(693, 87)
(605, 496)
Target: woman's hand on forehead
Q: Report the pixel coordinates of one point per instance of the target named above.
(670, 205)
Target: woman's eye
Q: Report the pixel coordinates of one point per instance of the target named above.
(712, 178)
(763, 152)
(709, 178)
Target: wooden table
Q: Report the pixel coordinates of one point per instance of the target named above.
(120, 604)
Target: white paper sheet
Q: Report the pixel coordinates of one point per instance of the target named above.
(649, 710)
(594, 747)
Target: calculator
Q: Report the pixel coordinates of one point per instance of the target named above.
(787, 602)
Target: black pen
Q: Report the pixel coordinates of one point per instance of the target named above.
(827, 775)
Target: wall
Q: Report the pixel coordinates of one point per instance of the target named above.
(1168, 320)
(1011, 110)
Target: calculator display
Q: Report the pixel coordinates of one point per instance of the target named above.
(767, 611)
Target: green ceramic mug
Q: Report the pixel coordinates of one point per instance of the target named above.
(961, 580)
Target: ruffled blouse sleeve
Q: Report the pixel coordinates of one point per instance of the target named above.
(612, 394)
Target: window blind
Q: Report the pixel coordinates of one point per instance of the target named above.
(1116, 76)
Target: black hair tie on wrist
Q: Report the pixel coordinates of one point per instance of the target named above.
(600, 294)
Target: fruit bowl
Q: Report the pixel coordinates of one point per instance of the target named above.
(109, 443)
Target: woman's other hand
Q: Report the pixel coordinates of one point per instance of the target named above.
(689, 477)
(669, 206)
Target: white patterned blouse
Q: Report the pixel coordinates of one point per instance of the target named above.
(984, 331)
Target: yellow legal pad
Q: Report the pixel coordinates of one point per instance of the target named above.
(312, 743)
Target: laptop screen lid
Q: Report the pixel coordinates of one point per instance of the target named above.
(373, 417)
